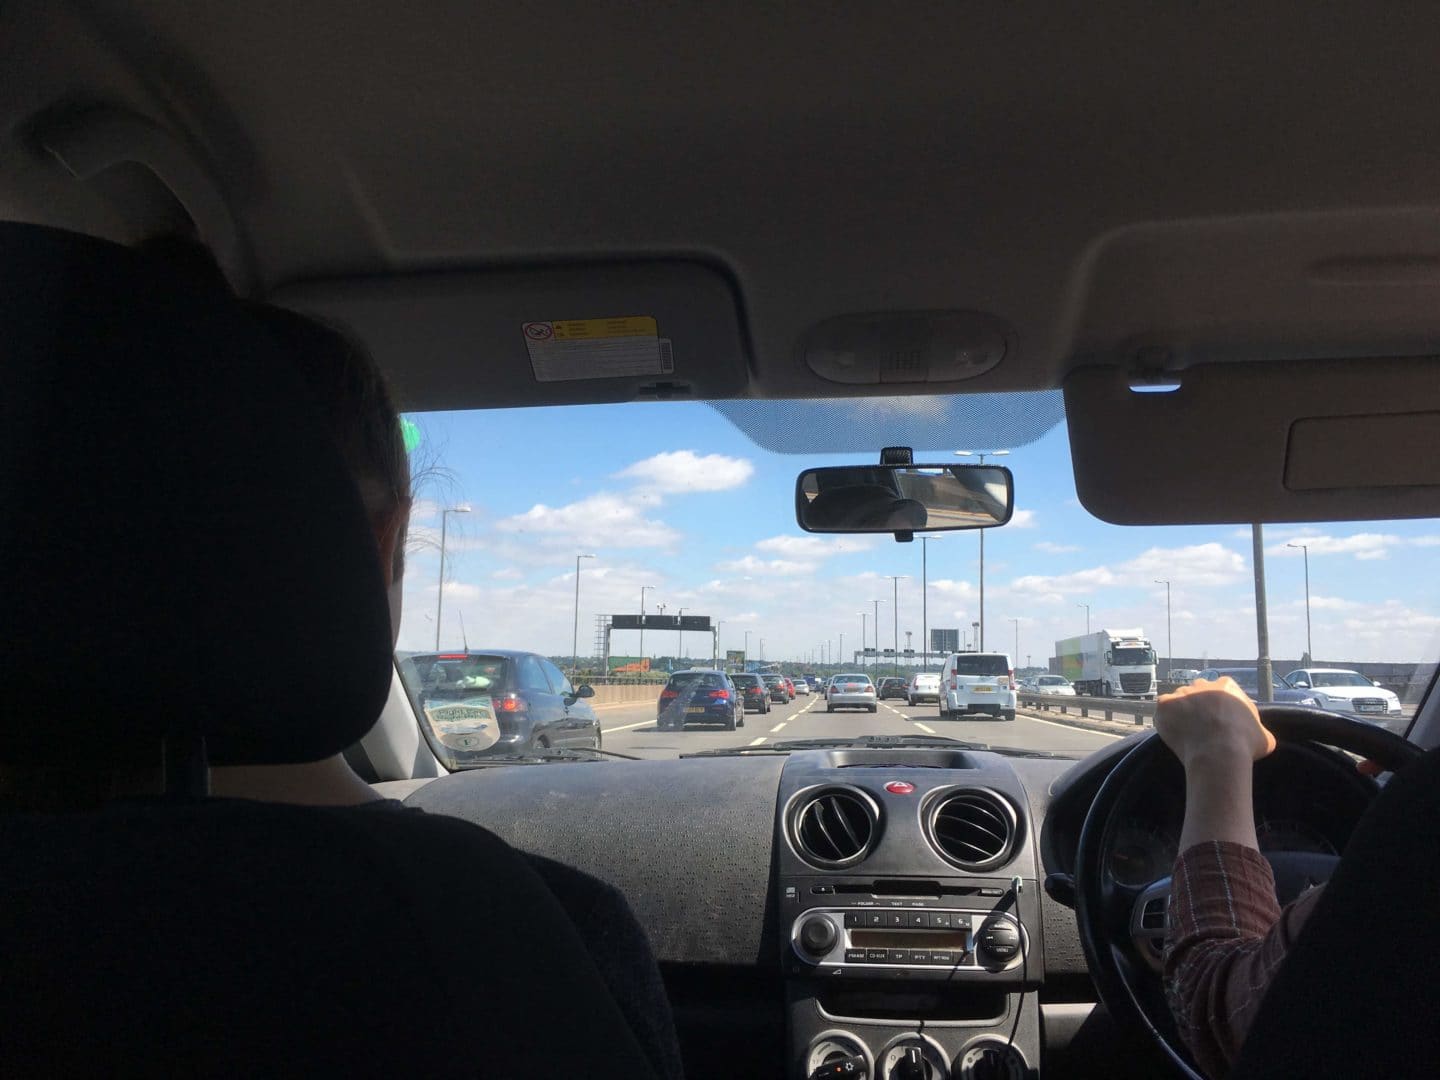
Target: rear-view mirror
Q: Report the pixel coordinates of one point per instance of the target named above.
(903, 498)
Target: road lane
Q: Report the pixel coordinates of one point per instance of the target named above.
(630, 729)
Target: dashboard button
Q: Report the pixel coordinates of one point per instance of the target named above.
(874, 918)
(854, 918)
(899, 956)
(940, 920)
(876, 956)
(920, 919)
(822, 890)
(895, 918)
(949, 959)
(919, 956)
(855, 956)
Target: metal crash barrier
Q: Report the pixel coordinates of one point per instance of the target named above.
(1140, 712)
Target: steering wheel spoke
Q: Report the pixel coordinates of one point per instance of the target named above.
(1148, 915)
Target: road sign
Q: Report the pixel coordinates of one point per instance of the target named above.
(625, 622)
(944, 640)
(888, 652)
(907, 652)
(735, 656)
(694, 622)
(868, 652)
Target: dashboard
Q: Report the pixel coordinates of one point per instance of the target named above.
(876, 910)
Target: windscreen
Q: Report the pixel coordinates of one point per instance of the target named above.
(1337, 678)
(658, 538)
(1134, 657)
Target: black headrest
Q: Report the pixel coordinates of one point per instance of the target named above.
(181, 547)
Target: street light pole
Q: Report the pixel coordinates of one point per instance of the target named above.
(1263, 670)
(715, 643)
(877, 604)
(680, 635)
(895, 580)
(982, 455)
(440, 593)
(863, 616)
(1169, 636)
(747, 650)
(924, 601)
(575, 627)
(1087, 616)
(643, 590)
(1016, 660)
(840, 650)
(1309, 648)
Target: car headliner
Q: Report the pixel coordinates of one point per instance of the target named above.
(1119, 184)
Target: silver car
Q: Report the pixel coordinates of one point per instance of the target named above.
(850, 692)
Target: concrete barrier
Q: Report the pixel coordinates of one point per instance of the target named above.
(626, 693)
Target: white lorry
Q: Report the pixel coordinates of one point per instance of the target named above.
(1109, 663)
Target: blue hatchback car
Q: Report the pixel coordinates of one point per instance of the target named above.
(699, 696)
(1249, 680)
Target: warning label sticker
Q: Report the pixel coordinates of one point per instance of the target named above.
(568, 349)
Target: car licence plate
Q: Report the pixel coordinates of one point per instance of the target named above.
(1366, 707)
(983, 689)
(696, 709)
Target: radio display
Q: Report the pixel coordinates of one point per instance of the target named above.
(896, 938)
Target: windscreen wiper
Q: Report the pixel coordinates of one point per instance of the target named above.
(546, 755)
(872, 742)
(860, 742)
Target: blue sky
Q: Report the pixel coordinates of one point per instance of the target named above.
(673, 495)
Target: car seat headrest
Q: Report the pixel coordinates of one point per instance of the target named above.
(182, 550)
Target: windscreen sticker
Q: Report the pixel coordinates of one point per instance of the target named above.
(571, 349)
(463, 725)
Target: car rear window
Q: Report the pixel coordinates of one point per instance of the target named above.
(981, 664)
(457, 671)
(745, 680)
(697, 678)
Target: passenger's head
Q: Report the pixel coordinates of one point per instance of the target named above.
(352, 395)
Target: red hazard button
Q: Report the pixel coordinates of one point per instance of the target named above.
(900, 787)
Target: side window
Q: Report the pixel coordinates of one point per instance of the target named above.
(557, 678)
(532, 676)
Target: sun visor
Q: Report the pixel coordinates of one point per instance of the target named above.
(551, 336)
(1330, 440)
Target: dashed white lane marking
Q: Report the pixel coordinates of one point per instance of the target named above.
(626, 727)
(757, 742)
(922, 727)
(778, 726)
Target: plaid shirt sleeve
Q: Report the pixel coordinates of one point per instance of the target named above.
(1225, 935)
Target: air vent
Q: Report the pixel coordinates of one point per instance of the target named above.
(975, 830)
(834, 828)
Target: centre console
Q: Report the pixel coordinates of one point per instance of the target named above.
(909, 920)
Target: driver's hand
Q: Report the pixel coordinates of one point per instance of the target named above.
(1212, 723)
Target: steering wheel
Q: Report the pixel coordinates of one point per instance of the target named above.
(1121, 926)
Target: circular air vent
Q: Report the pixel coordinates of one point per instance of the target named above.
(975, 830)
(834, 827)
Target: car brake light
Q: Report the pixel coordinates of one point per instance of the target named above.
(510, 703)
(666, 694)
(720, 695)
(1012, 681)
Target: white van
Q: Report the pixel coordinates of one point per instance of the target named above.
(977, 682)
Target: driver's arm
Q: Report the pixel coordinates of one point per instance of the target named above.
(1225, 934)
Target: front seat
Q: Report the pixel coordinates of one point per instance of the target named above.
(177, 529)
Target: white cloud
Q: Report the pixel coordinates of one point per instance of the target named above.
(814, 547)
(683, 470)
(1364, 546)
(1022, 519)
(1055, 549)
(508, 574)
(751, 565)
(599, 520)
(1198, 565)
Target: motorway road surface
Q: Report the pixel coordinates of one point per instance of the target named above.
(630, 729)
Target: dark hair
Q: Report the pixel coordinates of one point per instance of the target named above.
(352, 395)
